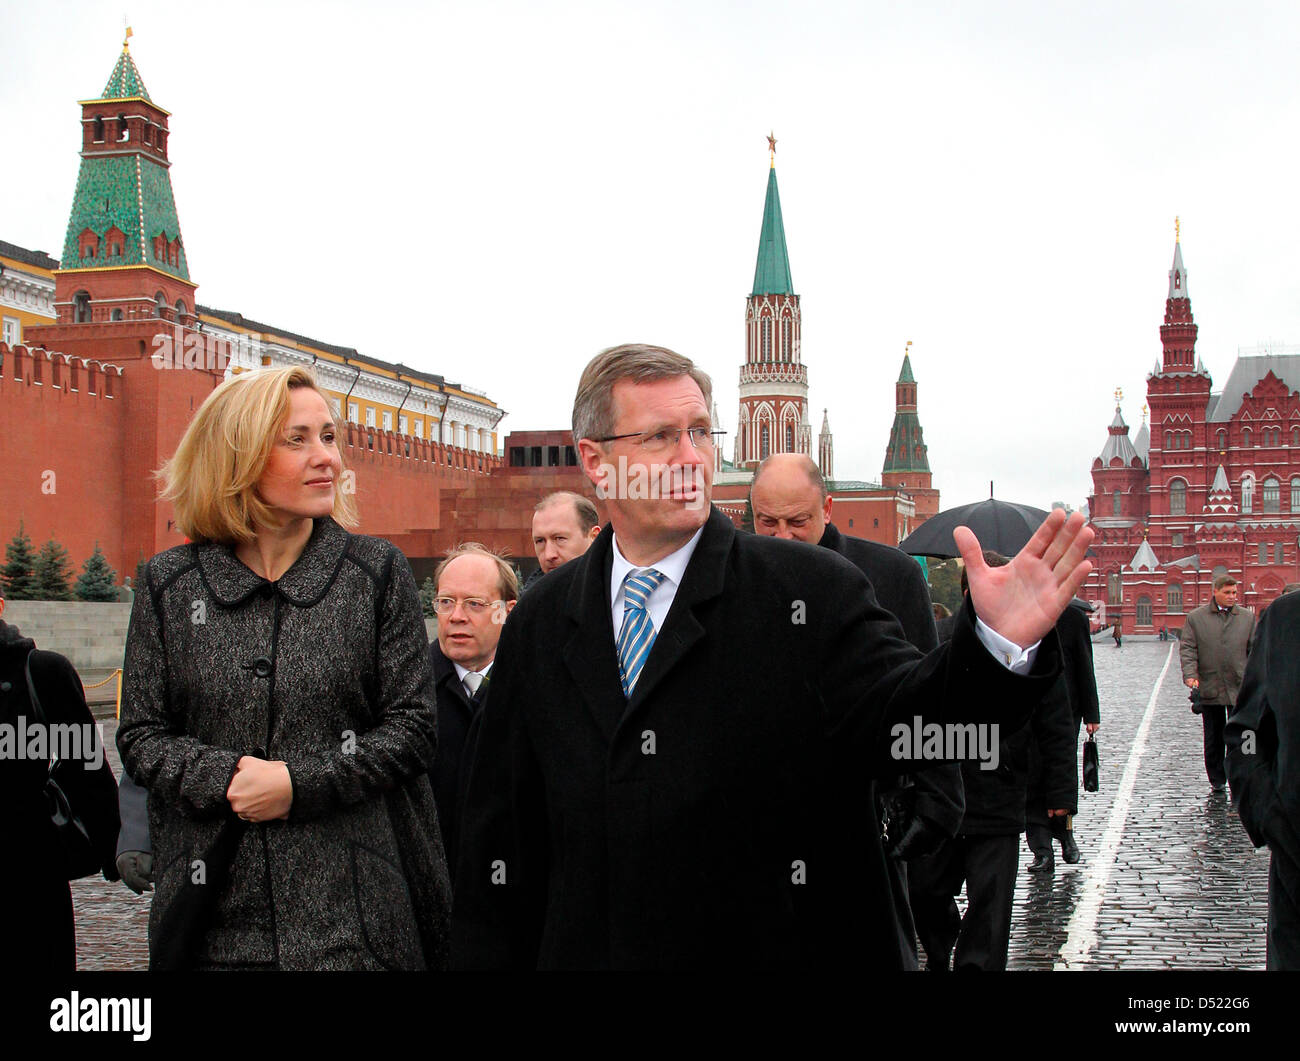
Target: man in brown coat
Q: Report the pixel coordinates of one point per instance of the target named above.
(1216, 638)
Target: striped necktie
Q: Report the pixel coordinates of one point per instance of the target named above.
(638, 632)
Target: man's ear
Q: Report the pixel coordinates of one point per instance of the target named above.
(826, 508)
(593, 534)
(592, 458)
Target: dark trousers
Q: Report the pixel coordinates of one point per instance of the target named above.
(1283, 914)
(1214, 717)
(1039, 837)
(988, 866)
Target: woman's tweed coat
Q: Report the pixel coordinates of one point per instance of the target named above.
(328, 670)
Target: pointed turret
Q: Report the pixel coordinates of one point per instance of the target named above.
(906, 451)
(1178, 333)
(1219, 500)
(826, 448)
(1118, 443)
(125, 81)
(1144, 559)
(1142, 443)
(1178, 275)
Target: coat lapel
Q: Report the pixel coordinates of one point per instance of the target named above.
(589, 651)
(682, 628)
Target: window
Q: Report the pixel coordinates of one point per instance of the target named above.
(1295, 436)
(370, 416)
(1169, 440)
(159, 304)
(388, 420)
(99, 130)
(1144, 611)
(1277, 553)
(1219, 569)
(1245, 436)
(764, 441)
(1116, 504)
(1263, 553)
(1177, 498)
(765, 328)
(1178, 541)
(81, 308)
(1114, 590)
(1174, 599)
(12, 331)
(419, 429)
(352, 413)
(786, 345)
(1247, 493)
(1223, 440)
(180, 311)
(1271, 495)
(1295, 493)
(402, 425)
(117, 315)
(789, 438)
(121, 128)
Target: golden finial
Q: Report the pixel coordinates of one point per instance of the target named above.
(1119, 396)
(771, 147)
(1176, 230)
(126, 41)
(1144, 412)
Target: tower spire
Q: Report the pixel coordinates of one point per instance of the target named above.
(772, 270)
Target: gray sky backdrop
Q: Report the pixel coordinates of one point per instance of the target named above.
(496, 191)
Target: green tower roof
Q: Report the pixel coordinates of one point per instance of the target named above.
(907, 449)
(905, 375)
(125, 81)
(772, 273)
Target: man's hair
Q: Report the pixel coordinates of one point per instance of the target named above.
(508, 581)
(805, 462)
(586, 512)
(1223, 580)
(992, 559)
(211, 480)
(593, 406)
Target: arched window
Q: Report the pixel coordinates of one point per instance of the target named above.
(1246, 439)
(1272, 489)
(1295, 436)
(1169, 440)
(787, 344)
(1177, 497)
(1114, 590)
(180, 311)
(117, 314)
(81, 308)
(99, 130)
(765, 329)
(121, 128)
(1116, 504)
(1263, 553)
(1295, 493)
(1174, 599)
(1223, 440)
(1219, 569)
(789, 438)
(764, 441)
(1277, 553)
(1144, 611)
(1247, 493)
(159, 304)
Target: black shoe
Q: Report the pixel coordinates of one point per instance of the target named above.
(1042, 863)
(1069, 849)
(1218, 786)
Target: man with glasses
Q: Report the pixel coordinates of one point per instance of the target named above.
(674, 768)
(475, 590)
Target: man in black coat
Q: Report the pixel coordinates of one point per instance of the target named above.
(674, 764)
(474, 591)
(1048, 788)
(790, 501)
(985, 853)
(1263, 738)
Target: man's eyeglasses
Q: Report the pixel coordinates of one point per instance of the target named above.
(474, 606)
(667, 438)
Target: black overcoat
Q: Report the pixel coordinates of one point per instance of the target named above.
(450, 774)
(1265, 773)
(326, 669)
(33, 887)
(717, 818)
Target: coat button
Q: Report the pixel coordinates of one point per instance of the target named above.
(262, 667)
(5, 687)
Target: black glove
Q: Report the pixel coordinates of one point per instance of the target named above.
(136, 869)
(1195, 697)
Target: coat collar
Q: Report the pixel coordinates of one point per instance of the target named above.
(304, 584)
(589, 652)
(832, 538)
(444, 676)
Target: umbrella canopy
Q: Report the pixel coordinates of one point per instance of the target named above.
(1001, 526)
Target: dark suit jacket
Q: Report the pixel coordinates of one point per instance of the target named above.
(450, 773)
(717, 818)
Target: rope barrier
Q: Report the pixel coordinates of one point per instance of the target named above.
(116, 672)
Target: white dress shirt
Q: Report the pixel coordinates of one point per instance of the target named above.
(462, 671)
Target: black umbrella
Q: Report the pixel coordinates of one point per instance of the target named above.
(999, 525)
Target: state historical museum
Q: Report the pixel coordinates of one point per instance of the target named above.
(1212, 487)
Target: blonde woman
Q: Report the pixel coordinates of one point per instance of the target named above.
(279, 708)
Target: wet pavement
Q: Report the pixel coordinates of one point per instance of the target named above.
(1182, 888)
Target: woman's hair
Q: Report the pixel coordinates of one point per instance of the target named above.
(211, 479)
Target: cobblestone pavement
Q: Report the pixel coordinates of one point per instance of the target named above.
(1185, 890)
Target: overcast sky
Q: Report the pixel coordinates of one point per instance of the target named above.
(496, 191)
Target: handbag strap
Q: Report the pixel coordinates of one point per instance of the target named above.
(38, 712)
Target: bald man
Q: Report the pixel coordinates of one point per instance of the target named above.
(564, 526)
(790, 500)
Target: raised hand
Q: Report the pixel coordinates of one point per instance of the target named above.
(1023, 600)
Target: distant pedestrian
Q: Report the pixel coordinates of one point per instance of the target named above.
(1115, 631)
(1216, 640)
(1263, 740)
(35, 900)
(564, 526)
(278, 707)
(940, 611)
